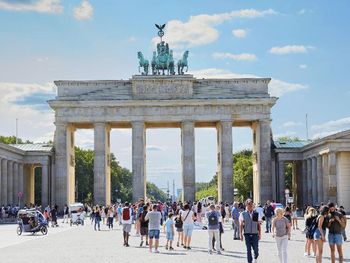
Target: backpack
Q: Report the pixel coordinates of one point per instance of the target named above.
(126, 213)
(178, 222)
(213, 219)
(313, 227)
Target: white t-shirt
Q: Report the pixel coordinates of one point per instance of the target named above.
(189, 219)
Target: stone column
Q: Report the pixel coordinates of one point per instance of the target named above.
(309, 181)
(15, 183)
(225, 161)
(0, 184)
(281, 182)
(319, 180)
(188, 161)
(332, 173)
(102, 172)
(28, 184)
(65, 164)
(138, 160)
(314, 180)
(10, 182)
(343, 179)
(304, 180)
(44, 185)
(298, 187)
(262, 182)
(4, 178)
(21, 182)
(325, 178)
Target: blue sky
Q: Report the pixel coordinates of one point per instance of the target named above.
(302, 45)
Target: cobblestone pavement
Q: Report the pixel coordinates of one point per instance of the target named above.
(83, 244)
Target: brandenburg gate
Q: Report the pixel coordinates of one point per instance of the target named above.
(161, 101)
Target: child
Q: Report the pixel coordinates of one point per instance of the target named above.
(169, 230)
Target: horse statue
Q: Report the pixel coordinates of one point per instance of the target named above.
(155, 71)
(182, 63)
(171, 63)
(143, 63)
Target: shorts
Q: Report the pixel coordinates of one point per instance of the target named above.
(188, 229)
(153, 234)
(180, 229)
(335, 239)
(169, 236)
(317, 235)
(127, 228)
(143, 231)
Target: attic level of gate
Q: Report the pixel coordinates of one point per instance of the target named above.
(176, 87)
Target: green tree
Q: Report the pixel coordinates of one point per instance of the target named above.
(154, 193)
(12, 140)
(243, 173)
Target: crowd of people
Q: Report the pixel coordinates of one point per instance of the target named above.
(178, 220)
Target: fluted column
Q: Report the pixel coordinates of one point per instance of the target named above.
(4, 181)
(10, 182)
(314, 179)
(309, 181)
(304, 181)
(262, 181)
(332, 173)
(44, 185)
(138, 160)
(21, 182)
(65, 164)
(15, 183)
(319, 180)
(102, 172)
(281, 182)
(325, 178)
(188, 161)
(225, 161)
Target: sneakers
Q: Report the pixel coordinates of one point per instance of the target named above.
(306, 254)
(210, 252)
(166, 247)
(218, 252)
(312, 254)
(171, 248)
(141, 243)
(156, 251)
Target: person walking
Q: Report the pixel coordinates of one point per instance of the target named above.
(97, 218)
(281, 232)
(65, 214)
(119, 213)
(179, 228)
(110, 216)
(310, 220)
(235, 221)
(154, 218)
(295, 217)
(187, 218)
(269, 213)
(320, 233)
(143, 225)
(251, 230)
(169, 231)
(213, 229)
(342, 211)
(126, 222)
(336, 223)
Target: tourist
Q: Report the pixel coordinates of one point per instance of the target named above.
(295, 217)
(320, 233)
(97, 218)
(126, 222)
(92, 215)
(110, 216)
(199, 212)
(103, 214)
(53, 214)
(179, 228)
(227, 213)
(143, 225)
(269, 213)
(342, 211)
(65, 214)
(169, 231)
(288, 213)
(310, 221)
(187, 218)
(154, 217)
(213, 229)
(119, 213)
(235, 221)
(336, 222)
(251, 230)
(281, 233)
(221, 228)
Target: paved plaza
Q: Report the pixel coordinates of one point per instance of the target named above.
(83, 244)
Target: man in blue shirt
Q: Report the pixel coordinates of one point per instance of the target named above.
(235, 221)
(213, 229)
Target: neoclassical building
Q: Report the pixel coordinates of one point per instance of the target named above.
(321, 169)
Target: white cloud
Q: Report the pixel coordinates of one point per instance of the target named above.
(41, 60)
(284, 134)
(290, 49)
(240, 57)
(290, 124)
(302, 66)
(201, 29)
(276, 87)
(34, 124)
(330, 127)
(302, 11)
(84, 11)
(154, 148)
(239, 33)
(41, 6)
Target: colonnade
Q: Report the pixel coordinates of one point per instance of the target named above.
(64, 152)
